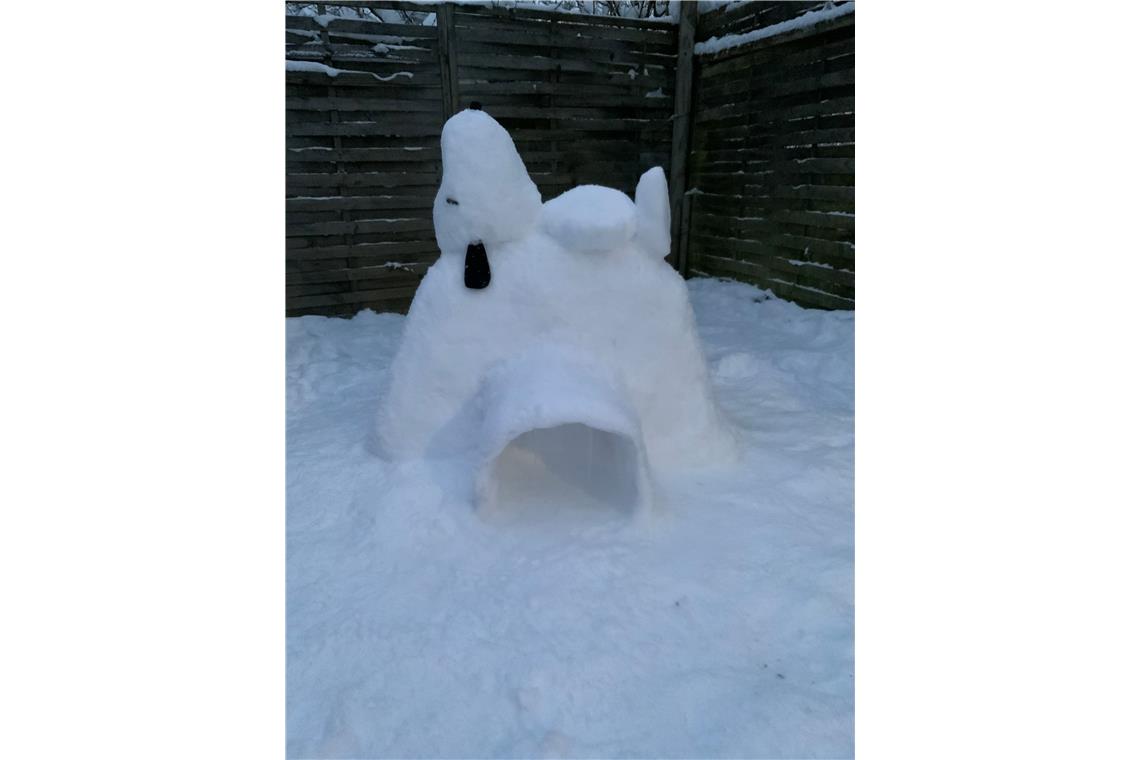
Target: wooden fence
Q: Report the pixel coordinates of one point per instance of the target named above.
(762, 140)
(586, 99)
(771, 168)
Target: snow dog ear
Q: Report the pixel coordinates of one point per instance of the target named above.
(652, 201)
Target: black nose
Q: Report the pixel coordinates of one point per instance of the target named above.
(476, 268)
(476, 105)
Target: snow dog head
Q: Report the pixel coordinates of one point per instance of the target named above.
(486, 198)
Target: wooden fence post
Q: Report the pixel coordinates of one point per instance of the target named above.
(682, 120)
(448, 65)
(334, 118)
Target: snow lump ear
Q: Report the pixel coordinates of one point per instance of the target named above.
(653, 216)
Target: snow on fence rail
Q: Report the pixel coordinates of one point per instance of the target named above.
(766, 140)
(586, 99)
(771, 167)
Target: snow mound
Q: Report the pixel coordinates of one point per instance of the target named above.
(513, 330)
(417, 628)
(739, 366)
(590, 218)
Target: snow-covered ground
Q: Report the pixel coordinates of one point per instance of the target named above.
(723, 628)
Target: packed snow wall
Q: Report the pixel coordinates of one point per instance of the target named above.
(588, 99)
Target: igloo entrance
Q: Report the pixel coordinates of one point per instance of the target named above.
(565, 469)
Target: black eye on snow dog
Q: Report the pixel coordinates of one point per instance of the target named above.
(453, 202)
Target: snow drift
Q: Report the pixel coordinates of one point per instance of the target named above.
(419, 628)
(550, 343)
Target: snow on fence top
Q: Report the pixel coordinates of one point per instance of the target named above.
(707, 6)
(320, 68)
(811, 18)
(423, 11)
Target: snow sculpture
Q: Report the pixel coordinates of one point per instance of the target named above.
(550, 346)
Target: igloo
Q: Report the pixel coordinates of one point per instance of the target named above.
(550, 346)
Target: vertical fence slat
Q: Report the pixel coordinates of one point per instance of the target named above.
(448, 66)
(682, 111)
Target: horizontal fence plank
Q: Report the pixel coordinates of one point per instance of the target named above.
(763, 186)
(789, 166)
(800, 260)
(626, 89)
(611, 105)
(405, 60)
(360, 179)
(591, 60)
(402, 277)
(530, 63)
(350, 298)
(804, 295)
(755, 124)
(362, 155)
(832, 85)
(810, 33)
(775, 53)
(812, 224)
(608, 26)
(752, 114)
(815, 219)
(400, 77)
(394, 128)
(371, 250)
(836, 56)
(763, 227)
(361, 227)
(583, 118)
(565, 42)
(617, 75)
(842, 193)
(646, 130)
(744, 17)
(834, 281)
(362, 26)
(360, 203)
(363, 104)
(372, 5)
(760, 142)
(357, 274)
(834, 254)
